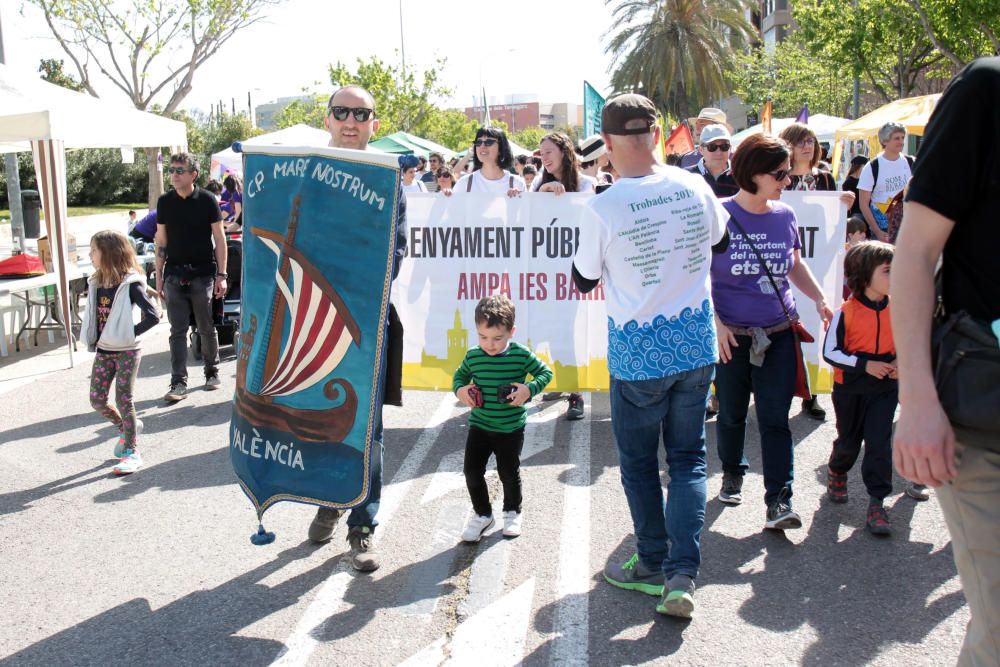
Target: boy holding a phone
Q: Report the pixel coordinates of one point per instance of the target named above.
(492, 381)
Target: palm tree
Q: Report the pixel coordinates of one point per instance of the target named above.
(669, 49)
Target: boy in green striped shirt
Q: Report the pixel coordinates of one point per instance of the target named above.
(491, 381)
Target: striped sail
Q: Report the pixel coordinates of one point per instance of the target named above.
(318, 338)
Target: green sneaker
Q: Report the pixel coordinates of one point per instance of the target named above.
(632, 575)
(679, 599)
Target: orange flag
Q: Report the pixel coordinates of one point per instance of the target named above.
(765, 118)
(679, 141)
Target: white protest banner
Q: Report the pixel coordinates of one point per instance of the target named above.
(822, 229)
(467, 246)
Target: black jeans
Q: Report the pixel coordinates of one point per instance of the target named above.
(183, 299)
(507, 449)
(772, 386)
(868, 418)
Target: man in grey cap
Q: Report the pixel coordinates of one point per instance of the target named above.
(715, 146)
(650, 237)
(707, 116)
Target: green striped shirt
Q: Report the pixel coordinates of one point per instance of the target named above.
(488, 373)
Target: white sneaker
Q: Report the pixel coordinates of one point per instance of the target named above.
(511, 524)
(475, 528)
(129, 463)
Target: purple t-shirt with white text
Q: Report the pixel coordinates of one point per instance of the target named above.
(741, 292)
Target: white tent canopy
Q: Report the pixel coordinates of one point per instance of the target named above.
(296, 135)
(31, 108)
(47, 119)
(824, 126)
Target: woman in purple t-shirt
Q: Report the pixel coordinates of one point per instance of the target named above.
(756, 346)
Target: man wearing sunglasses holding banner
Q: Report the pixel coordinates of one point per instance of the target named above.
(190, 270)
(352, 122)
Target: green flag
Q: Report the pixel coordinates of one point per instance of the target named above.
(593, 104)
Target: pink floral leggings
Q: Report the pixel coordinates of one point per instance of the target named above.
(124, 366)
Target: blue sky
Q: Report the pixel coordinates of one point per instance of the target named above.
(543, 48)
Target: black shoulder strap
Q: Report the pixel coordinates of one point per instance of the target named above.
(510, 182)
(468, 185)
(874, 164)
(909, 158)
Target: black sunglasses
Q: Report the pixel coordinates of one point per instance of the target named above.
(485, 142)
(361, 114)
(779, 175)
(711, 148)
(178, 170)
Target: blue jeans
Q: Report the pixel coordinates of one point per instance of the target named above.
(773, 386)
(364, 514)
(668, 534)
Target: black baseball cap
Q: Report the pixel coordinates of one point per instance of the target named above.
(620, 110)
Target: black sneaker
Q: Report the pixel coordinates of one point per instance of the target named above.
(878, 519)
(732, 489)
(836, 486)
(178, 392)
(810, 406)
(212, 382)
(780, 515)
(575, 410)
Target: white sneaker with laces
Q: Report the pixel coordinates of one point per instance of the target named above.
(476, 527)
(129, 463)
(511, 524)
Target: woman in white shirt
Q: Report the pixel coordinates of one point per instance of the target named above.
(492, 160)
(410, 181)
(561, 169)
(560, 174)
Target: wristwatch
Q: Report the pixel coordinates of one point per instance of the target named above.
(221, 275)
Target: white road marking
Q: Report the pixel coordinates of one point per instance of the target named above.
(572, 617)
(301, 643)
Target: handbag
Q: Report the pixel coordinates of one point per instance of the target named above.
(799, 332)
(966, 361)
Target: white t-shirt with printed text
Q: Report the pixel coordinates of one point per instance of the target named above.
(650, 239)
(893, 175)
(482, 184)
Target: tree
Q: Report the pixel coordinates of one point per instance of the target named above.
(148, 48)
(882, 40)
(310, 112)
(673, 50)
(401, 102)
(789, 77)
(962, 31)
(529, 137)
(52, 71)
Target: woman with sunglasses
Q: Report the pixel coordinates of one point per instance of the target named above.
(445, 179)
(492, 160)
(561, 171)
(806, 175)
(753, 308)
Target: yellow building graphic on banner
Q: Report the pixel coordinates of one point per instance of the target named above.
(435, 373)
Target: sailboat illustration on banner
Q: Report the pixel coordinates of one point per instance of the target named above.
(320, 332)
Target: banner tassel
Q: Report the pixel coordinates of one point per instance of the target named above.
(261, 537)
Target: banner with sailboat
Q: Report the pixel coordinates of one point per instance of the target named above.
(319, 228)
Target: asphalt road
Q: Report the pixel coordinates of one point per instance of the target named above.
(157, 568)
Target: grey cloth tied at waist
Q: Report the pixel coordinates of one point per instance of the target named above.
(759, 340)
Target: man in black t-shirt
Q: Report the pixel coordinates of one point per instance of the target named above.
(190, 269)
(953, 210)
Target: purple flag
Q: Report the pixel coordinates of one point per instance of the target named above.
(803, 116)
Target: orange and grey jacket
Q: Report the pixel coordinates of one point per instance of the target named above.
(860, 332)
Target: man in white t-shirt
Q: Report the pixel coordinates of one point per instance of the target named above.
(650, 236)
(894, 172)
